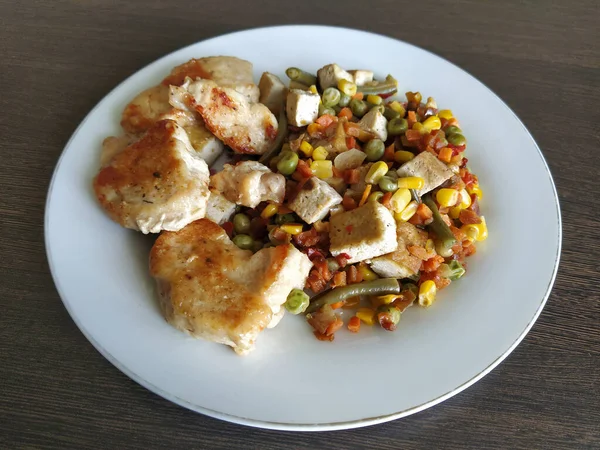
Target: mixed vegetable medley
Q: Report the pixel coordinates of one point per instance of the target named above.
(378, 196)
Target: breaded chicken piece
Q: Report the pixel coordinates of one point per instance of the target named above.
(211, 289)
(157, 183)
(248, 183)
(145, 109)
(226, 71)
(113, 145)
(246, 127)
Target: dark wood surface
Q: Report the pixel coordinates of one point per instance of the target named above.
(58, 59)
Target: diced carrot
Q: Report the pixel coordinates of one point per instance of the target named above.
(353, 275)
(323, 337)
(348, 203)
(354, 324)
(304, 169)
(323, 268)
(445, 154)
(342, 259)
(358, 96)
(413, 135)
(350, 142)
(388, 155)
(432, 263)
(337, 305)
(467, 216)
(351, 176)
(365, 195)
(385, 200)
(325, 120)
(339, 279)
(418, 251)
(411, 118)
(314, 130)
(334, 326)
(283, 210)
(337, 172)
(345, 112)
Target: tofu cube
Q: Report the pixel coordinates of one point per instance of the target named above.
(427, 166)
(272, 92)
(314, 200)
(361, 77)
(331, 74)
(302, 107)
(363, 233)
(219, 209)
(208, 146)
(400, 263)
(375, 123)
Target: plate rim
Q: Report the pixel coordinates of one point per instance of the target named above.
(283, 426)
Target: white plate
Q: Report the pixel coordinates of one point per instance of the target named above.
(292, 381)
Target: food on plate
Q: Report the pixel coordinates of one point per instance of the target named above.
(157, 183)
(212, 289)
(338, 200)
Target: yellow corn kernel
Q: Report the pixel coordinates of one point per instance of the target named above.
(347, 87)
(397, 106)
(291, 228)
(306, 148)
(374, 99)
(475, 189)
(402, 156)
(455, 212)
(367, 274)
(269, 211)
(429, 245)
(322, 169)
(367, 315)
(427, 292)
(445, 114)
(376, 172)
(400, 200)
(447, 197)
(411, 182)
(379, 300)
(418, 126)
(431, 103)
(476, 231)
(313, 89)
(465, 199)
(432, 123)
(320, 153)
(407, 212)
(483, 230)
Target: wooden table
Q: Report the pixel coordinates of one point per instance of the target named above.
(60, 58)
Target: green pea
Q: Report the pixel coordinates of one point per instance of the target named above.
(457, 139)
(243, 241)
(281, 219)
(344, 100)
(397, 126)
(288, 163)
(379, 108)
(392, 174)
(390, 113)
(336, 109)
(374, 149)
(452, 130)
(331, 96)
(297, 301)
(358, 107)
(241, 223)
(326, 110)
(388, 185)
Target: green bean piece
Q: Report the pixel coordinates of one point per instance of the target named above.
(452, 130)
(331, 96)
(390, 113)
(344, 100)
(381, 286)
(379, 108)
(358, 107)
(438, 226)
(389, 86)
(297, 301)
(453, 270)
(243, 241)
(411, 287)
(281, 219)
(282, 132)
(301, 76)
(457, 139)
(374, 149)
(288, 163)
(388, 317)
(392, 174)
(397, 126)
(375, 196)
(326, 110)
(386, 184)
(241, 223)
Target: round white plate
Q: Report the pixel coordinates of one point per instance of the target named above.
(293, 381)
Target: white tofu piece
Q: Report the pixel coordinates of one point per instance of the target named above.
(375, 123)
(219, 209)
(361, 77)
(208, 146)
(400, 263)
(330, 74)
(337, 183)
(363, 233)
(425, 165)
(302, 107)
(314, 200)
(272, 92)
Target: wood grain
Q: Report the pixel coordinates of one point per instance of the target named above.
(60, 58)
